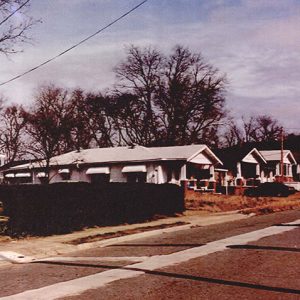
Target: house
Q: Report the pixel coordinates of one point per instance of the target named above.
(296, 167)
(245, 167)
(3, 160)
(273, 159)
(124, 164)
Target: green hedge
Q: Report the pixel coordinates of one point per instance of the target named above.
(65, 207)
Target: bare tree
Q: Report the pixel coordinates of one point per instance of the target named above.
(12, 127)
(176, 99)
(91, 122)
(14, 25)
(268, 129)
(99, 115)
(191, 100)
(232, 134)
(130, 120)
(250, 127)
(48, 123)
(79, 135)
(254, 129)
(140, 75)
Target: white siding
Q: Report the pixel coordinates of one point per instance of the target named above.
(116, 174)
(156, 173)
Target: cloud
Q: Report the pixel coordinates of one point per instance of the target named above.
(256, 42)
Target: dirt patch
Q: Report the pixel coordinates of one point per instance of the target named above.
(109, 235)
(247, 205)
(4, 239)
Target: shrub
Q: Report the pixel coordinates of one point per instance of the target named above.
(65, 207)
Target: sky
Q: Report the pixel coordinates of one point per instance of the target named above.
(256, 43)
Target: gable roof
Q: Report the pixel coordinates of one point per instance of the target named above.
(184, 152)
(296, 155)
(231, 156)
(250, 156)
(275, 155)
(176, 152)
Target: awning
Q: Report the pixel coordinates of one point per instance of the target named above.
(63, 171)
(9, 175)
(23, 175)
(41, 174)
(221, 170)
(134, 169)
(99, 170)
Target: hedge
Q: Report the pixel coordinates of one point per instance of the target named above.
(65, 207)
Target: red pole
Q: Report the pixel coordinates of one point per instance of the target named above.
(281, 156)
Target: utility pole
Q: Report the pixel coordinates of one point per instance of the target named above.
(281, 156)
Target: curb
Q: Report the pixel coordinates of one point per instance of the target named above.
(58, 247)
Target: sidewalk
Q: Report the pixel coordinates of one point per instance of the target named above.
(28, 249)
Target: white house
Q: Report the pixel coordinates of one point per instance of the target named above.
(273, 159)
(245, 165)
(123, 164)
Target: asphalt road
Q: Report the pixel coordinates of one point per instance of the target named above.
(255, 258)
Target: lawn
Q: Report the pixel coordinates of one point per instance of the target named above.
(246, 205)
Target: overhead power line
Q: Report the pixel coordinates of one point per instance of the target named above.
(20, 7)
(291, 128)
(76, 45)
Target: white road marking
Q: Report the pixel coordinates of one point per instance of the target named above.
(80, 285)
(94, 259)
(15, 257)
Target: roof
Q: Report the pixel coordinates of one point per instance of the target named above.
(176, 152)
(231, 156)
(17, 163)
(104, 155)
(275, 155)
(253, 156)
(187, 152)
(127, 154)
(296, 154)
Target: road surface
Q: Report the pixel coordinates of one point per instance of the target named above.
(255, 258)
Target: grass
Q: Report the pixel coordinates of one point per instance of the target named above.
(109, 235)
(246, 205)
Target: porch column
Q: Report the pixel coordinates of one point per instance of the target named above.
(173, 177)
(277, 171)
(226, 179)
(271, 177)
(33, 176)
(183, 172)
(262, 176)
(290, 171)
(258, 170)
(239, 170)
(212, 173)
(159, 175)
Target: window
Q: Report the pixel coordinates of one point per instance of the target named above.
(65, 174)
(136, 177)
(99, 178)
(135, 173)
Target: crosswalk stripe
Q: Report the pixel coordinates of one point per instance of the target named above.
(80, 285)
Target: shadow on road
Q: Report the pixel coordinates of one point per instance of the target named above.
(156, 245)
(184, 276)
(254, 247)
(297, 225)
